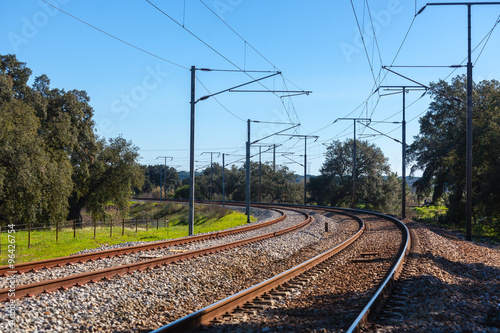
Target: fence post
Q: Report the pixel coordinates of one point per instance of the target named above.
(95, 224)
(29, 235)
(123, 227)
(0, 239)
(111, 228)
(146, 224)
(74, 228)
(156, 224)
(57, 231)
(136, 225)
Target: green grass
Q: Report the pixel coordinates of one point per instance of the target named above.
(44, 245)
(430, 214)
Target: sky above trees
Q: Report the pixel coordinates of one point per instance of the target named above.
(317, 45)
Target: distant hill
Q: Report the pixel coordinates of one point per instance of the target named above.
(185, 174)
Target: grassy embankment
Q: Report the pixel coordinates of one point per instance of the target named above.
(480, 231)
(44, 245)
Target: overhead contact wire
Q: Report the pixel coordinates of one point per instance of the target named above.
(114, 37)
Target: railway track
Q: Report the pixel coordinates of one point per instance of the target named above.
(34, 266)
(94, 276)
(239, 308)
(145, 300)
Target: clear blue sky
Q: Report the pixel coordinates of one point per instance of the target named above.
(316, 44)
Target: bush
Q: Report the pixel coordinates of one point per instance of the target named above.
(430, 214)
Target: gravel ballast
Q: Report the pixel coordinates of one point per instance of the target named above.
(448, 285)
(150, 299)
(262, 215)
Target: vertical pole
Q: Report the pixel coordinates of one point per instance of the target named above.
(136, 225)
(248, 174)
(468, 225)
(29, 235)
(110, 228)
(305, 170)
(157, 227)
(0, 239)
(211, 174)
(191, 154)
(147, 224)
(274, 157)
(165, 185)
(223, 181)
(161, 182)
(57, 231)
(123, 227)
(260, 173)
(403, 194)
(354, 170)
(74, 228)
(95, 226)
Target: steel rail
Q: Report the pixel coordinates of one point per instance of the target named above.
(392, 276)
(396, 268)
(204, 316)
(89, 277)
(79, 258)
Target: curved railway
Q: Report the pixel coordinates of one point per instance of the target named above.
(94, 276)
(33, 266)
(235, 310)
(228, 311)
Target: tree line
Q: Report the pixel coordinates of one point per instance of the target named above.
(439, 151)
(52, 163)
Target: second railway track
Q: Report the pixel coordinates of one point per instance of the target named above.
(45, 284)
(79, 258)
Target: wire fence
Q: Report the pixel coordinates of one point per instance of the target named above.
(81, 228)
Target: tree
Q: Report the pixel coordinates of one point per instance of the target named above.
(335, 184)
(279, 186)
(49, 156)
(439, 149)
(156, 173)
(23, 163)
(37, 175)
(113, 173)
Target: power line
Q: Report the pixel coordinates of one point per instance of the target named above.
(363, 40)
(114, 37)
(260, 54)
(237, 34)
(375, 86)
(244, 40)
(215, 98)
(374, 34)
(473, 50)
(489, 35)
(208, 45)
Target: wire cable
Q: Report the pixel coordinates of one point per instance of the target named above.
(374, 34)
(209, 46)
(363, 40)
(114, 37)
(489, 35)
(215, 98)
